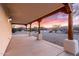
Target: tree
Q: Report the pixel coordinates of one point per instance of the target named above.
(55, 28)
(76, 28)
(35, 29)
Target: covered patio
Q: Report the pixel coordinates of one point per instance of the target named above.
(28, 45)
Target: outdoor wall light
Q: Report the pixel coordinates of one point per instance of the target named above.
(9, 19)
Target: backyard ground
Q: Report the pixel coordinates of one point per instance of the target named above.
(57, 38)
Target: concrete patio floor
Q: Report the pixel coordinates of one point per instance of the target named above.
(23, 45)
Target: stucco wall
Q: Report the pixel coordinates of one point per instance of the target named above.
(5, 31)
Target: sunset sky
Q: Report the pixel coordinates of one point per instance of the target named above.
(56, 19)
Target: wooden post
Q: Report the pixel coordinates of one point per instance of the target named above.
(30, 30)
(38, 37)
(39, 21)
(26, 26)
(70, 27)
(70, 22)
(30, 27)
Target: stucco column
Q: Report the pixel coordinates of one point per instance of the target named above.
(70, 44)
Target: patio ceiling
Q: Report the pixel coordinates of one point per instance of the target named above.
(28, 12)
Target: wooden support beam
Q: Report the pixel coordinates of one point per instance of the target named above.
(63, 9)
(39, 21)
(18, 23)
(39, 35)
(70, 27)
(70, 22)
(30, 26)
(26, 26)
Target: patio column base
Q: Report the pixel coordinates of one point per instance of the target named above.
(71, 46)
(39, 37)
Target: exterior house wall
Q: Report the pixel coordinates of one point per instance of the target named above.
(5, 31)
